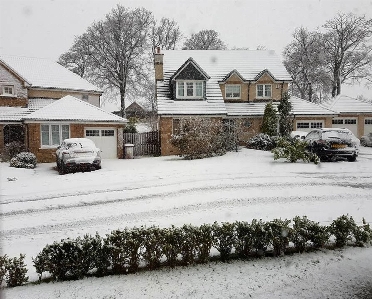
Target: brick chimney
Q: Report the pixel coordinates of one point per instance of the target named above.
(158, 64)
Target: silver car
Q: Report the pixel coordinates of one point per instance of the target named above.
(366, 140)
(76, 154)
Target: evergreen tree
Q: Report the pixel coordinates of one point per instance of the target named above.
(285, 122)
(269, 122)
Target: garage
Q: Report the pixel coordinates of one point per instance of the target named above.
(367, 125)
(308, 125)
(350, 123)
(105, 139)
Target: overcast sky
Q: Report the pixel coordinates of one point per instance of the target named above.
(46, 28)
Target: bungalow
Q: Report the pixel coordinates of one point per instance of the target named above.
(42, 103)
(231, 86)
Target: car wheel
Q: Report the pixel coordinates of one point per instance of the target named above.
(351, 159)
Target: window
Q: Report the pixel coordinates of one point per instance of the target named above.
(264, 91)
(53, 135)
(368, 121)
(189, 89)
(350, 121)
(232, 91)
(337, 121)
(92, 133)
(303, 125)
(108, 133)
(8, 90)
(317, 125)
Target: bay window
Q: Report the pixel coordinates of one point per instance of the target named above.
(189, 89)
(53, 135)
(264, 90)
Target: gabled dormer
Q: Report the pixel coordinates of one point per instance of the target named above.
(189, 82)
(267, 87)
(233, 87)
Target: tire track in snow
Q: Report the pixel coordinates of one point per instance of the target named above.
(174, 211)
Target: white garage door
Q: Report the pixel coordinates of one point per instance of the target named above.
(350, 123)
(105, 139)
(308, 125)
(367, 126)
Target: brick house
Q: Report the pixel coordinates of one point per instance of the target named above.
(231, 86)
(42, 103)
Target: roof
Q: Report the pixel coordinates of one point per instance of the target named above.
(306, 108)
(43, 73)
(218, 65)
(70, 108)
(13, 114)
(345, 104)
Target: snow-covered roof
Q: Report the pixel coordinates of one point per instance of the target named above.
(43, 73)
(36, 104)
(218, 65)
(13, 114)
(345, 104)
(70, 108)
(306, 108)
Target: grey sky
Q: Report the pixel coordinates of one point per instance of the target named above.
(46, 28)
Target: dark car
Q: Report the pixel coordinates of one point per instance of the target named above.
(366, 140)
(78, 154)
(331, 144)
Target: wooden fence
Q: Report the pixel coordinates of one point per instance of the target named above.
(145, 144)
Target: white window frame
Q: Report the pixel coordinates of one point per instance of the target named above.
(184, 84)
(232, 91)
(4, 93)
(62, 134)
(265, 89)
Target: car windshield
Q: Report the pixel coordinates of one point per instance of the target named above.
(336, 134)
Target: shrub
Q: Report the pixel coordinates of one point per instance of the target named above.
(343, 229)
(204, 241)
(16, 271)
(188, 247)
(262, 142)
(11, 149)
(362, 234)
(293, 150)
(269, 120)
(243, 241)
(280, 233)
(153, 241)
(223, 238)
(24, 160)
(173, 239)
(260, 236)
(199, 138)
(3, 267)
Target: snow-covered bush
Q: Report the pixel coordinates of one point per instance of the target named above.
(204, 241)
(293, 150)
(188, 247)
(343, 229)
(11, 149)
(199, 138)
(223, 238)
(280, 234)
(363, 234)
(153, 243)
(173, 239)
(262, 142)
(243, 241)
(269, 120)
(260, 236)
(14, 270)
(24, 160)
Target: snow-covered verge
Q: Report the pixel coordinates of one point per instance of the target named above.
(39, 206)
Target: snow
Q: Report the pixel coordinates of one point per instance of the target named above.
(39, 206)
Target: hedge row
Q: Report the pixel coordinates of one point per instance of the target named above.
(128, 250)
(125, 251)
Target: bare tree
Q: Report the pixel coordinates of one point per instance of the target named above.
(304, 59)
(117, 50)
(166, 34)
(204, 40)
(347, 52)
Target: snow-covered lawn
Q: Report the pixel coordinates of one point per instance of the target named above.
(39, 207)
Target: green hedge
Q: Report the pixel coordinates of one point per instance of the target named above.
(128, 250)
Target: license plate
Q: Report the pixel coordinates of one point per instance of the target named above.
(338, 145)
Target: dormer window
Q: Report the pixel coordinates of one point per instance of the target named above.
(263, 90)
(8, 90)
(188, 89)
(232, 91)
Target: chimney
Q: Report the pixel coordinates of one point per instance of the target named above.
(158, 64)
